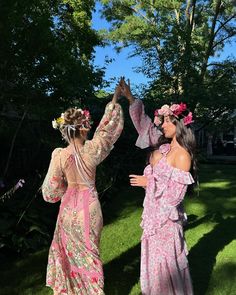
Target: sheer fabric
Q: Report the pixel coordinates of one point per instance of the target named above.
(74, 265)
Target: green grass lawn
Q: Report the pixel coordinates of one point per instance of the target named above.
(210, 236)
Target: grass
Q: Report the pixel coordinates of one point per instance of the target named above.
(210, 236)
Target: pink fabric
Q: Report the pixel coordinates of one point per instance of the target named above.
(164, 265)
(74, 264)
(148, 133)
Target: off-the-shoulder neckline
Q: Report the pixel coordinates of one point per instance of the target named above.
(169, 165)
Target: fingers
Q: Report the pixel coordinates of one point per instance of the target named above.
(134, 180)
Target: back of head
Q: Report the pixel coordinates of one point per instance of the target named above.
(72, 123)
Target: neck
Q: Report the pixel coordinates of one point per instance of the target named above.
(174, 143)
(79, 142)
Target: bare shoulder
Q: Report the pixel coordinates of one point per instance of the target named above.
(183, 160)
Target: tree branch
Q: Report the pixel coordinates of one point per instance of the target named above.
(217, 64)
(223, 24)
(211, 40)
(222, 40)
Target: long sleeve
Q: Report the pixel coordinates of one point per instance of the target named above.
(148, 133)
(54, 185)
(106, 134)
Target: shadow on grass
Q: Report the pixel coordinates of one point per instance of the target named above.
(202, 256)
(24, 274)
(127, 200)
(223, 279)
(122, 273)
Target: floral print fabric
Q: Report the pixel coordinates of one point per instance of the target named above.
(148, 134)
(164, 264)
(74, 264)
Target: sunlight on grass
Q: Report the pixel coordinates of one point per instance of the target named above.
(121, 235)
(224, 272)
(216, 184)
(193, 235)
(195, 207)
(210, 236)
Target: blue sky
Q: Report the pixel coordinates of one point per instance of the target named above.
(124, 66)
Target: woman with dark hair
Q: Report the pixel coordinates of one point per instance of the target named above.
(164, 264)
(74, 264)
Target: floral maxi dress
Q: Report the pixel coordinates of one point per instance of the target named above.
(74, 265)
(164, 264)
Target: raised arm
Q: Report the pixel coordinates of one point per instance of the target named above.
(54, 185)
(148, 133)
(107, 132)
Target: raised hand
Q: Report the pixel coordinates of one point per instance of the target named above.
(126, 91)
(117, 93)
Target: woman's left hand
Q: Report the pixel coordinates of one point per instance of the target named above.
(138, 180)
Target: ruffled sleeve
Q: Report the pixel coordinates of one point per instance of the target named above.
(54, 185)
(164, 195)
(106, 134)
(148, 133)
(177, 187)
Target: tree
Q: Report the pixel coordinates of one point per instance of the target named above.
(47, 49)
(179, 42)
(46, 65)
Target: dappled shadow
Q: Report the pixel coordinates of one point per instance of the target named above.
(24, 274)
(222, 279)
(122, 273)
(202, 256)
(194, 221)
(123, 204)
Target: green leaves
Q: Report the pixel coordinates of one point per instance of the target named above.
(177, 40)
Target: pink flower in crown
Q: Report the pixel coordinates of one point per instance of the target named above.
(188, 119)
(181, 108)
(157, 120)
(165, 110)
(86, 113)
(174, 107)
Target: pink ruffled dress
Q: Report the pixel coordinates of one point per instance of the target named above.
(74, 264)
(164, 264)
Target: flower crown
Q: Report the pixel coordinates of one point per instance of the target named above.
(85, 121)
(176, 110)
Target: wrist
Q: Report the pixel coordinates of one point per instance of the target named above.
(130, 98)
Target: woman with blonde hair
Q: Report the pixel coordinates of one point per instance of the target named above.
(74, 264)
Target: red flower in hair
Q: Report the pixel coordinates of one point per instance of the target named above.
(188, 119)
(86, 113)
(182, 107)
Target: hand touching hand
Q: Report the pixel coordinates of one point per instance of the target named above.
(117, 93)
(138, 180)
(126, 90)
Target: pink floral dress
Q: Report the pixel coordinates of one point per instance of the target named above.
(74, 264)
(164, 265)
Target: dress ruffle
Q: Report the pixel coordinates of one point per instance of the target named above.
(165, 191)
